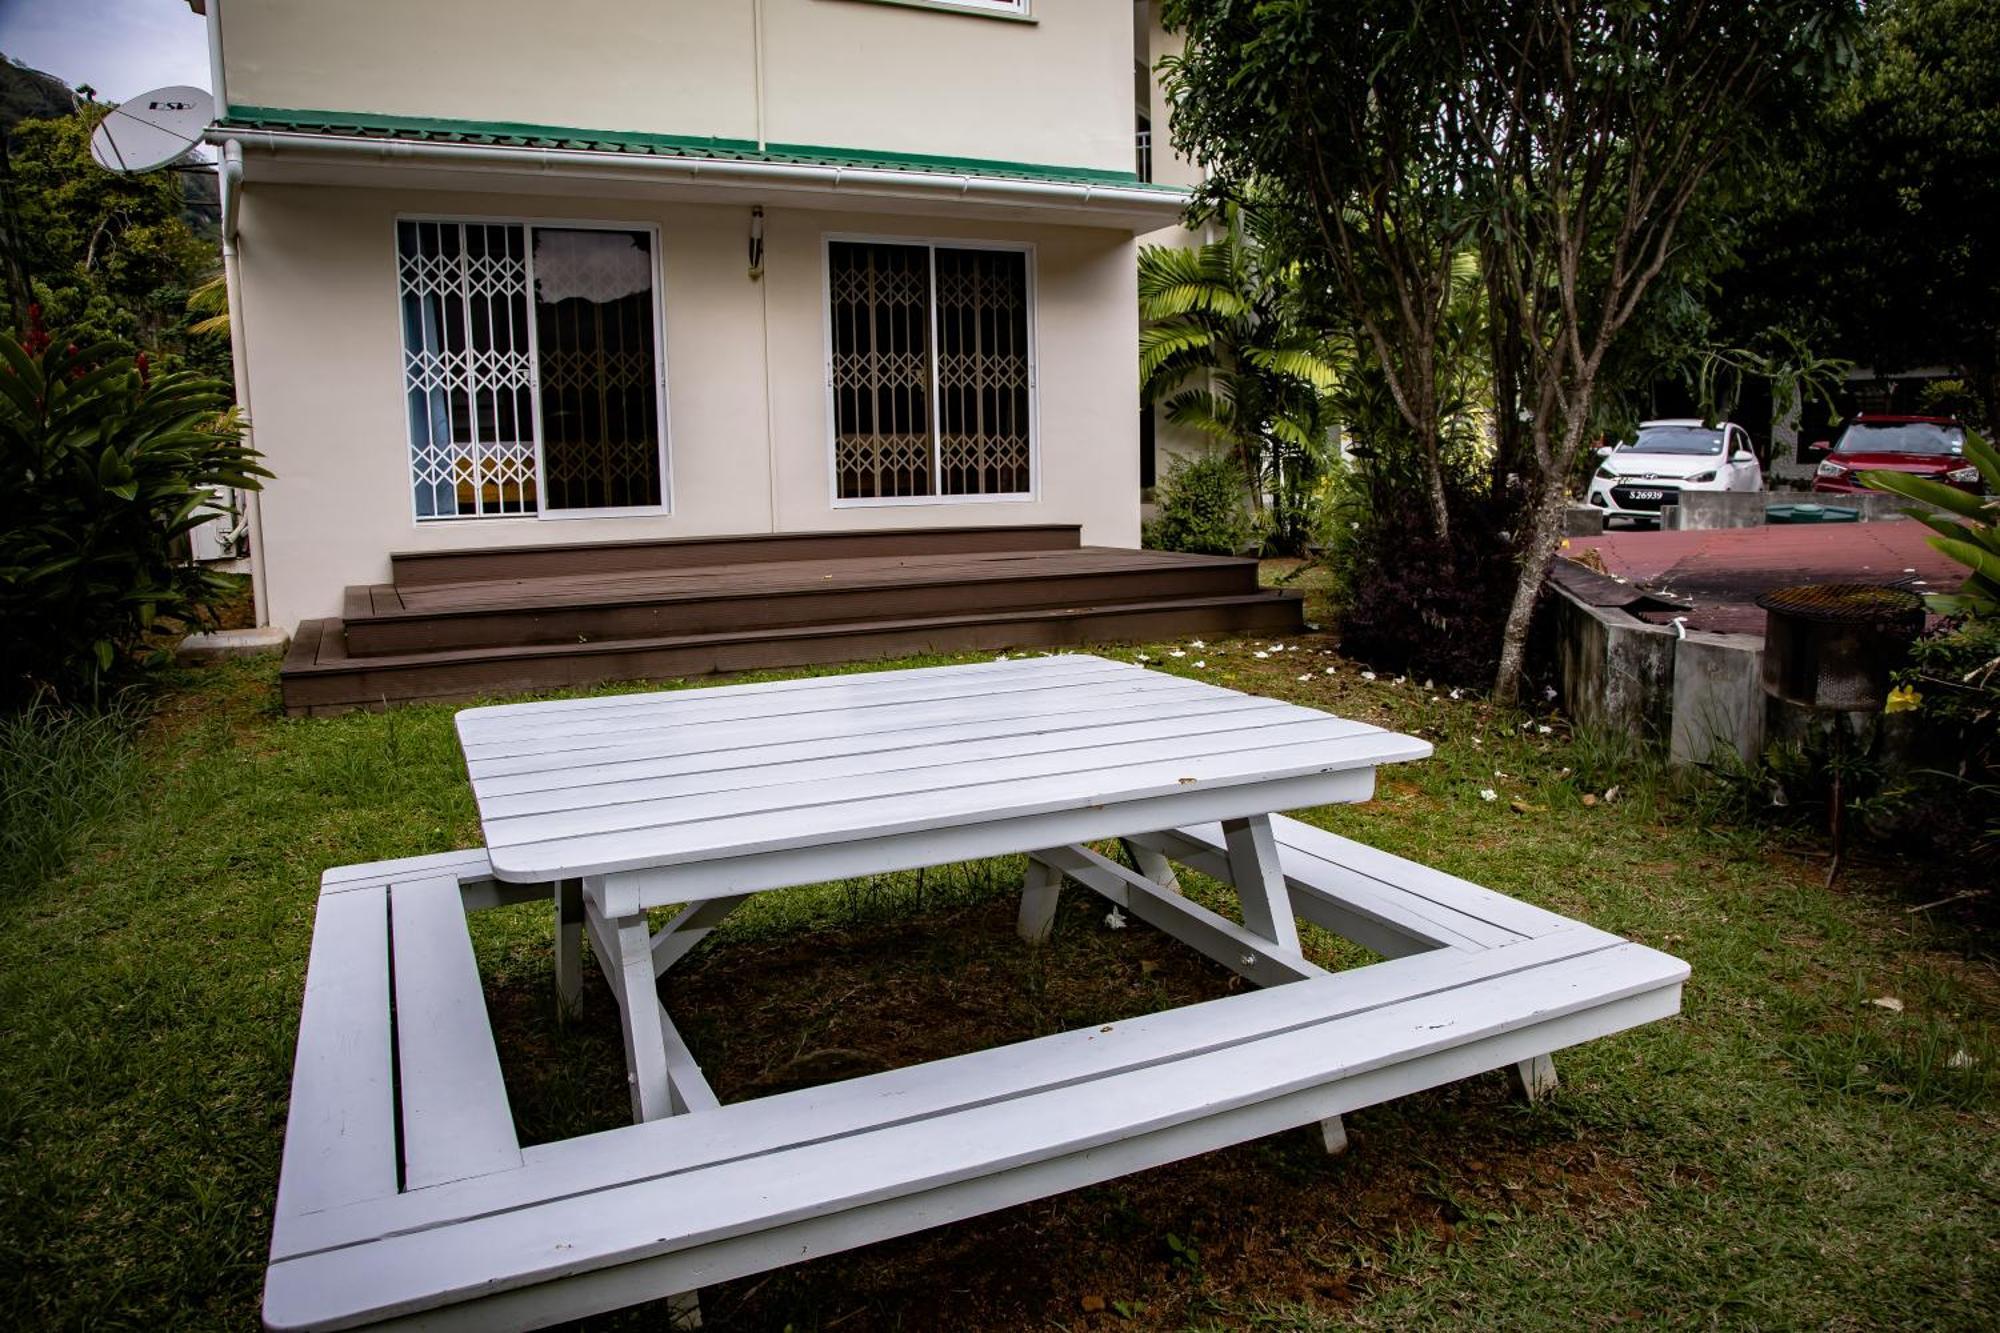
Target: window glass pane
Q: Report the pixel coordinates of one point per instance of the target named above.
(982, 372)
(599, 368)
(880, 312)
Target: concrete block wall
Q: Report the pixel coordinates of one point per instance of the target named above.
(1698, 692)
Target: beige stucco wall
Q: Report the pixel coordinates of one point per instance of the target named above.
(836, 73)
(746, 404)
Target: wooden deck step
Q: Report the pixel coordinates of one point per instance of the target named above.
(322, 675)
(414, 568)
(634, 604)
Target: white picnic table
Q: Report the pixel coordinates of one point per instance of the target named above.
(401, 1164)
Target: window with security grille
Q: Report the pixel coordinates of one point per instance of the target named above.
(531, 368)
(931, 375)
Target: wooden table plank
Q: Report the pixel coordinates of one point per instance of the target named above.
(471, 720)
(456, 1121)
(676, 1145)
(574, 844)
(869, 756)
(871, 698)
(724, 747)
(820, 1178)
(340, 1140)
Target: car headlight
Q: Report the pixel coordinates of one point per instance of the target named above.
(1606, 474)
(1963, 476)
(1700, 477)
(1829, 468)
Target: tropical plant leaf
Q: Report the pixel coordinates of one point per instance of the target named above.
(1923, 488)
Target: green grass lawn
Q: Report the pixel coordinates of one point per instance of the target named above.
(1789, 1153)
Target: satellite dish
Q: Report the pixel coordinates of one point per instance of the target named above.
(152, 130)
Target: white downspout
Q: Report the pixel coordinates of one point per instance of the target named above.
(231, 178)
(757, 65)
(212, 11)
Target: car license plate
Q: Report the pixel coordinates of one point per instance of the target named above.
(1647, 495)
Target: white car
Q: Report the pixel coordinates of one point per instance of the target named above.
(1636, 479)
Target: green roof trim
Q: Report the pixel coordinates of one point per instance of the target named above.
(508, 134)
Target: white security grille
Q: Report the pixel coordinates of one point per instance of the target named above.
(468, 368)
(982, 372)
(930, 371)
(881, 369)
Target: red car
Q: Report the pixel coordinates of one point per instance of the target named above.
(1932, 447)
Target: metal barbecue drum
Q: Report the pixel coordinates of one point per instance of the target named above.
(1836, 645)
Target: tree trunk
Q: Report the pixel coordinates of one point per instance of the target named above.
(1440, 510)
(1544, 537)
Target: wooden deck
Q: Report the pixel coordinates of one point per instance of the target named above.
(459, 624)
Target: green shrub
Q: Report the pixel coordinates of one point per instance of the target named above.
(60, 771)
(1201, 508)
(1953, 684)
(103, 471)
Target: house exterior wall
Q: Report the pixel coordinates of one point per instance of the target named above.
(884, 78)
(1171, 443)
(749, 440)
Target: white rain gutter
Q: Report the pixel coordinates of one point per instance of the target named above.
(230, 176)
(858, 180)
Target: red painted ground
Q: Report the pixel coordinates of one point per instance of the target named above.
(1725, 571)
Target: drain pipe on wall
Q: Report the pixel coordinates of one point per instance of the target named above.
(231, 178)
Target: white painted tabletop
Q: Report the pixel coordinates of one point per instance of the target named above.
(579, 787)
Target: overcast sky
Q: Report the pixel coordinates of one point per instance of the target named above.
(118, 47)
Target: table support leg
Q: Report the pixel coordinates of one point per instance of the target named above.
(678, 937)
(645, 1037)
(569, 946)
(1041, 889)
(1154, 865)
(1260, 880)
(1533, 1079)
(1267, 911)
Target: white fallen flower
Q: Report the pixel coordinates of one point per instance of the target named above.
(1367, 675)
(1115, 919)
(1436, 700)
(1175, 652)
(1541, 730)
(1260, 653)
(1488, 794)
(1960, 1060)
(1329, 671)
(1142, 658)
(1001, 658)
(1549, 693)
(1477, 741)
(1196, 643)
(1429, 684)
(1201, 664)
(1458, 694)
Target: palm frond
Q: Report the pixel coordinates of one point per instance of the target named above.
(1170, 352)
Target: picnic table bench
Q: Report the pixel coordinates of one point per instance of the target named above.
(406, 1197)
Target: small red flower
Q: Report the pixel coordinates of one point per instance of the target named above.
(37, 339)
